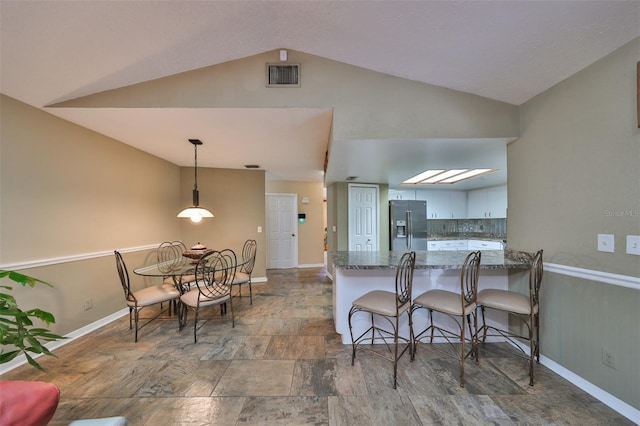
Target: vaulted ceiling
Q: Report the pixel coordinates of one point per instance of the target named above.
(52, 51)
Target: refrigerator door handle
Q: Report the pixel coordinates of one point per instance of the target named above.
(409, 230)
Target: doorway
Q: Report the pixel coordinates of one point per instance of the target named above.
(363, 217)
(282, 230)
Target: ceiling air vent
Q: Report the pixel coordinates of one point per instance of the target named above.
(279, 75)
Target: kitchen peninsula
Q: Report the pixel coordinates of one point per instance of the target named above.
(356, 273)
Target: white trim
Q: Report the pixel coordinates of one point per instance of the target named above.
(605, 397)
(310, 265)
(19, 360)
(588, 274)
(73, 258)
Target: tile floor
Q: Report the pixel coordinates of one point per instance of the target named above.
(283, 364)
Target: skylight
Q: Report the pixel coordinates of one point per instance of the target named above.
(441, 176)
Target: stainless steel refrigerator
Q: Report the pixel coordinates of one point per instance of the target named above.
(408, 227)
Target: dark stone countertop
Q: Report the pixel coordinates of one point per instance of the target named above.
(491, 259)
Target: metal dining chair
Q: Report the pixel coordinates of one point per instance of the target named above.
(148, 296)
(389, 306)
(524, 307)
(460, 307)
(169, 256)
(243, 275)
(214, 274)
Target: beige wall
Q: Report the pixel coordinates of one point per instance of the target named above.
(67, 191)
(311, 232)
(576, 163)
(366, 104)
(236, 198)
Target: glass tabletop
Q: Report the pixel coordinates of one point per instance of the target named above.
(170, 268)
(175, 268)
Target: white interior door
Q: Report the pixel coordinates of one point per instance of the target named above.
(282, 231)
(363, 217)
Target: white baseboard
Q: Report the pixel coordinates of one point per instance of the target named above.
(605, 397)
(310, 265)
(52, 346)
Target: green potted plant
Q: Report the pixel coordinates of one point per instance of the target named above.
(18, 334)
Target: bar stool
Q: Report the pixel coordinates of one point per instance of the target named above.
(389, 306)
(460, 307)
(523, 307)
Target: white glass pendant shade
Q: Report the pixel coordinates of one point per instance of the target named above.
(195, 212)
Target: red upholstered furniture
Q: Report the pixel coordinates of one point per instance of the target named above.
(27, 402)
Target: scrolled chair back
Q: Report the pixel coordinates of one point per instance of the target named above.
(249, 256)
(123, 273)
(535, 277)
(404, 279)
(469, 278)
(214, 273)
(170, 255)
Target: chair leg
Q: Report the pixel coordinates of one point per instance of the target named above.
(395, 358)
(532, 348)
(250, 293)
(353, 342)
(136, 313)
(462, 337)
(536, 318)
(431, 324)
(484, 325)
(195, 327)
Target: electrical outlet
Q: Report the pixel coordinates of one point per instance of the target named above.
(633, 244)
(608, 359)
(606, 243)
(88, 304)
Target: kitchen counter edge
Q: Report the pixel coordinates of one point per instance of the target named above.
(491, 259)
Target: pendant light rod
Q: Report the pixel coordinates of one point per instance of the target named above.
(196, 196)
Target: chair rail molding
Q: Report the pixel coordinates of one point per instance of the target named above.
(592, 275)
(72, 258)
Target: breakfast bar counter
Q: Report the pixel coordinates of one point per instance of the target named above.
(356, 273)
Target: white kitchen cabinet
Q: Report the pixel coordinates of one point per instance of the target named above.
(444, 204)
(497, 201)
(488, 203)
(447, 245)
(402, 194)
(484, 245)
(458, 204)
(477, 204)
(462, 245)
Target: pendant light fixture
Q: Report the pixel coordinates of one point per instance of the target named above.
(195, 213)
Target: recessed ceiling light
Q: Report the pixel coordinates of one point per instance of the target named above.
(438, 176)
(422, 176)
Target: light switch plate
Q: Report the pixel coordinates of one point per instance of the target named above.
(606, 243)
(633, 244)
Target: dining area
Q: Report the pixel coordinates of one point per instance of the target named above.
(284, 363)
(189, 280)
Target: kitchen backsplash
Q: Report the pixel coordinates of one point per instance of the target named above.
(477, 228)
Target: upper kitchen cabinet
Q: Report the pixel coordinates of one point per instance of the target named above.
(402, 194)
(487, 203)
(444, 204)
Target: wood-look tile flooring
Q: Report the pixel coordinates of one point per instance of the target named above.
(283, 364)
